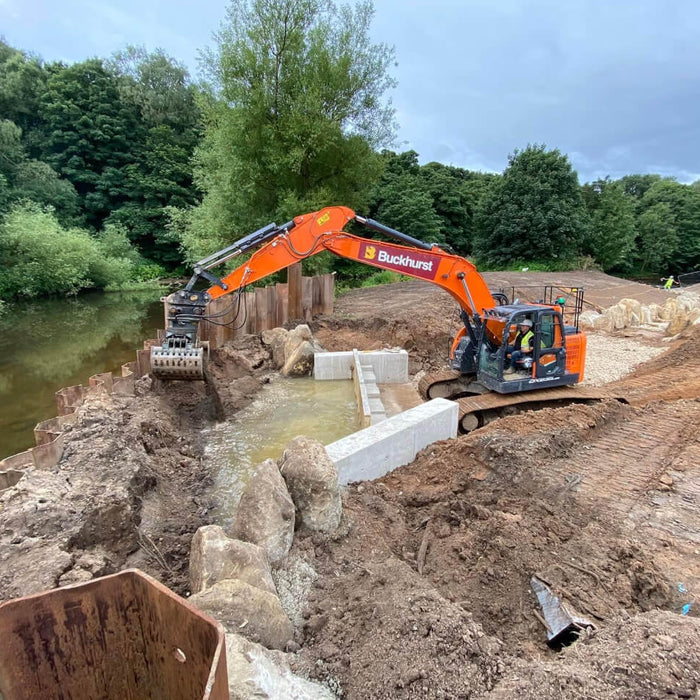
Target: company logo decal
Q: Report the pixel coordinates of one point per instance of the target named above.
(322, 219)
(415, 264)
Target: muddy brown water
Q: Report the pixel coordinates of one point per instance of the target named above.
(48, 344)
(284, 409)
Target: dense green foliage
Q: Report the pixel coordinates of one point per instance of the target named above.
(101, 145)
(117, 170)
(535, 211)
(39, 257)
(298, 114)
(612, 232)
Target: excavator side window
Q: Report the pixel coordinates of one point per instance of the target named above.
(550, 331)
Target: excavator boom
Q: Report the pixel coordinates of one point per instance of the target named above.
(481, 354)
(276, 248)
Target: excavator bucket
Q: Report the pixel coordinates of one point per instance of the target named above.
(177, 363)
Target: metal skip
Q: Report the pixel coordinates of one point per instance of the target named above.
(121, 636)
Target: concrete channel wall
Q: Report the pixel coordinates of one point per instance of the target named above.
(367, 370)
(389, 366)
(384, 443)
(381, 448)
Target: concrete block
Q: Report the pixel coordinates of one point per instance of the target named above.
(389, 366)
(381, 448)
(333, 365)
(376, 406)
(372, 391)
(368, 373)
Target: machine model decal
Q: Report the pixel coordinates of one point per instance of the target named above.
(413, 263)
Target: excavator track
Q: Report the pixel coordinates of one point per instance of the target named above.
(444, 385)
(476, 411)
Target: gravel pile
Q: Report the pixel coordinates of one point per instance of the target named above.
(609, 358)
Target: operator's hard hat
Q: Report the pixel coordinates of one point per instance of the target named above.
(526, 322)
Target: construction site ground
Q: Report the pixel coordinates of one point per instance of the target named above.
(424, 592)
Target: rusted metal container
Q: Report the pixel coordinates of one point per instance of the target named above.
(122, 637)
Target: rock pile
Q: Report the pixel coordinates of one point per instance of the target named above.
(231, 577)
(292, 351)
(675, 315)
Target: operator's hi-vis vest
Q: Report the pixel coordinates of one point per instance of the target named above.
(526, 341)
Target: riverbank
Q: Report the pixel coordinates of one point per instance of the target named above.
(48, 344)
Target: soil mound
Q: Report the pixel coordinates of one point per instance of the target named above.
(652, 655)
(451, 542)
(131, 487)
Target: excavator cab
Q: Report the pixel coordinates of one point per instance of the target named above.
(546, 365)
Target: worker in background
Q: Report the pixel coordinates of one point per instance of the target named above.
(523, 342)
(669, 282)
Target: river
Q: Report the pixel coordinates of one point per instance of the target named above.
(48, 344)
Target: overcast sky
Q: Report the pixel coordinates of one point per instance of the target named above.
(615, 84)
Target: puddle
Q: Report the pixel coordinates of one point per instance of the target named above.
(284, 409)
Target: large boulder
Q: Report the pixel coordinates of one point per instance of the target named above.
(588, 318)
(678, 322)
(694, 317)
(688, 301)
(256, 673)
(655, 312)
(300, 362)
(312, 480)
(603, 323)
(265, 514)
(669, 309)
(618, 316)
(276, 339)
(246, 610)
(215, 557)
(633, 311)
(302, 333)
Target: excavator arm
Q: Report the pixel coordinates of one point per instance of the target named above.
(276, 248)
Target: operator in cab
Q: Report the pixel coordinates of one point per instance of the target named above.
(522, 344)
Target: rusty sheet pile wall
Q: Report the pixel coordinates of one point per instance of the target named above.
(266, 307)
(120, 636)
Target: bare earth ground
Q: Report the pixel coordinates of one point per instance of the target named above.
(424, 592)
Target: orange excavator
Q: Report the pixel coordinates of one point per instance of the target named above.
(483, 377)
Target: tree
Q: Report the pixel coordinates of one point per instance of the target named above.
(24, 179)
(159, 88)
(22, 82)
(298, 111)
(401, 199)
(92, 137)
(658, 236)
(612, 232)
(534, 213)
(38, 256)
(456, 195)
(682, 250)
(636, 185)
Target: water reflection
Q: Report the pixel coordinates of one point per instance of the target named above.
(284, 409)
(49, 344)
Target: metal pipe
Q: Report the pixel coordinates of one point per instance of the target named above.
(393, 233)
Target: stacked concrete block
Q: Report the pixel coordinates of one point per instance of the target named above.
(367, 392)
(381, 448)
(389, 366)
